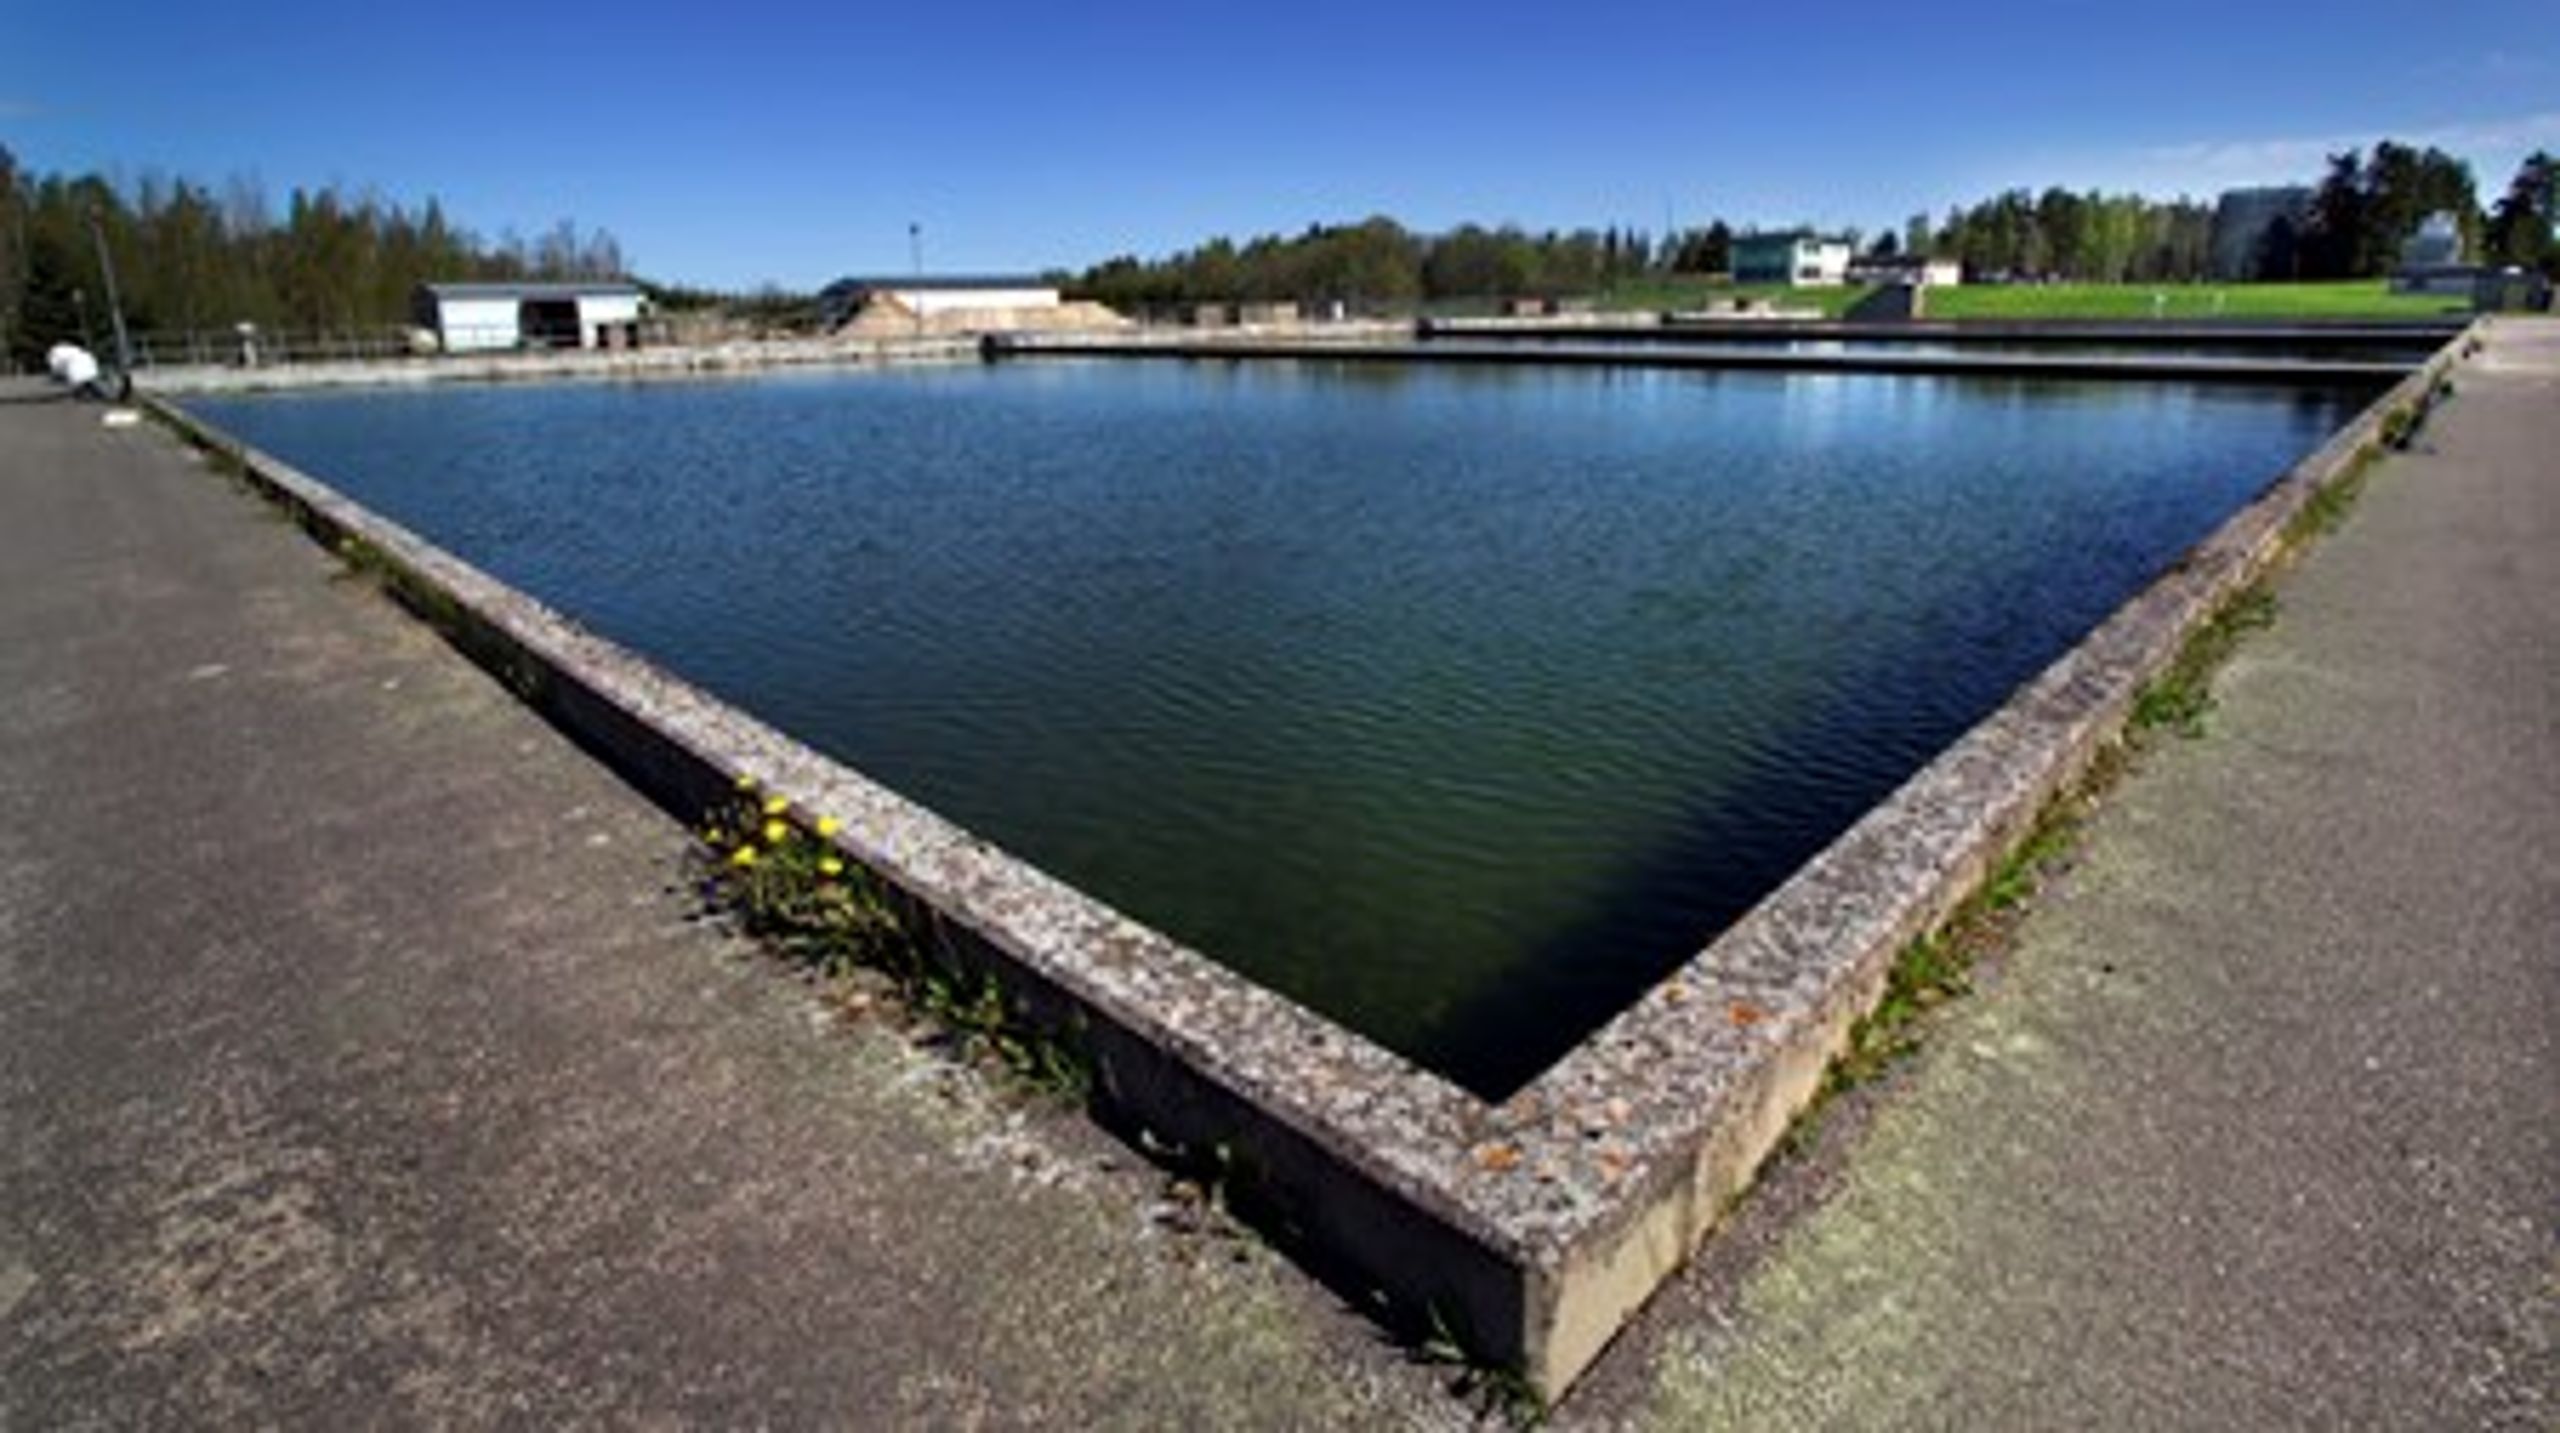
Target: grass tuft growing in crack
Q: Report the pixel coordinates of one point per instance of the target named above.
(788, 887)
(2178, 699)
(1493, 1390)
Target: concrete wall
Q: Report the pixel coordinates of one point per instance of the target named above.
(2452, 281)
(694, 360)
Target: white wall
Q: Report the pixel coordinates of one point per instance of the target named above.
(468, 325)
(929, 302)
(1820, 263)
(473, 325)
(594, 309)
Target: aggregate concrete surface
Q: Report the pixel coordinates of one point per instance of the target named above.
(2257, 1127)
(359, 1063)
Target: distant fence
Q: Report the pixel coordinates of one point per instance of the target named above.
(230, 348)
(198, 348)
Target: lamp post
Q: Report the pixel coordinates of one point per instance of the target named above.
(915, 258)
(115, 309)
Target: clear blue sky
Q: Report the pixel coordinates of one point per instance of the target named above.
(793, 142)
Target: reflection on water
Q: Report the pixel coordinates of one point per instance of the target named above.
(1458, 703)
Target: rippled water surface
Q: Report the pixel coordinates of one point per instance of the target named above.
(2409, 354)
(1459, 703)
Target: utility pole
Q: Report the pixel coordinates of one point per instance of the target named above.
(115, 309)
(915, 257)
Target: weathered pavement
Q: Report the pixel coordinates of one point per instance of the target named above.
(2260, 1126)
(358, 1065)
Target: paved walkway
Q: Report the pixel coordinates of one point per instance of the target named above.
(2260, 1128)
(357, 1064)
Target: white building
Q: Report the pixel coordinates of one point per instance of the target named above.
(1799, 258)
(926, 299)
(1906, 269)
(475, 318)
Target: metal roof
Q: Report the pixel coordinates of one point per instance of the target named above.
(942, 282)
(532, 290)
(1789, 236)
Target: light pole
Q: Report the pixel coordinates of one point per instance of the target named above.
(115, 309)
(915, 258)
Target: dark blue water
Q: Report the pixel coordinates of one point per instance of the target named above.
(1460, 704)
(2409, 354)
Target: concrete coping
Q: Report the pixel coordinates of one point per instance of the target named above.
(1531, 1228)
(2145, 332)
(670, 361)
(1483, 351)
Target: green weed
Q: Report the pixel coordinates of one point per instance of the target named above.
(2178, 699)
(790, 888)
(1495, 1390)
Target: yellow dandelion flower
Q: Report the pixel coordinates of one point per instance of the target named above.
(775, 806)
(746, 782)
(828, 825)
(830, 866)
(774, 831)
(715, 836)
(743, 856)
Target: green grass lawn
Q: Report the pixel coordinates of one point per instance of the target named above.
(2355, 298)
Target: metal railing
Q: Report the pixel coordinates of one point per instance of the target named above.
(230, 348)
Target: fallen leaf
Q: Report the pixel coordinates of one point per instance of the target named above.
(1497, 1158)
(1744, 1014)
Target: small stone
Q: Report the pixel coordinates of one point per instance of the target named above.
(1497, 1158)
(1620, 1111)
(1675, 993)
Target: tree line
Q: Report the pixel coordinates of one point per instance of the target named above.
(1374, 263)
(191, 258)
(188, 258)
(2351, 224)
